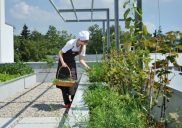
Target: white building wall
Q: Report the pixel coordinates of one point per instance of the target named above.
(6, 38)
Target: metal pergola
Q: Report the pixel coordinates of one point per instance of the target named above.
(59, 11)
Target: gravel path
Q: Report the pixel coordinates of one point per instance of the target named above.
(34, 101)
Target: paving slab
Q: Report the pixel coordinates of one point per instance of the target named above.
(7, 122)
(35, 126)
(40, 120)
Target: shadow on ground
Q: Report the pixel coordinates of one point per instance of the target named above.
(46, 107)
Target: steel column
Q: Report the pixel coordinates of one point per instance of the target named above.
(108, 29)
(139, 18)
(92, 9)
(104, 40)
(116, 9)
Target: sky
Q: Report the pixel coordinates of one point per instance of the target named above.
(39, 14)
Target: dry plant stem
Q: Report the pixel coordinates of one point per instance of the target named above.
(150, 99)
(152, 82)
(123, 87)
(148, 80)
(111, 70)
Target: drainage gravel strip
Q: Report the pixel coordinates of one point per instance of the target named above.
(35, 103)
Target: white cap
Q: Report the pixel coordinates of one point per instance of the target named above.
(83, 35)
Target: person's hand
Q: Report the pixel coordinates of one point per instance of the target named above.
(64, 64)
(88, 69)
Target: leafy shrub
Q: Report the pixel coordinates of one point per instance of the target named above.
(14, 70)
(6, 77)
(49, 63)
(108, 109)
(97, 73)
(18, 68)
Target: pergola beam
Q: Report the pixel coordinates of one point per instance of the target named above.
(74, 9)
(56, 9)
(82, 10)
(94, 20)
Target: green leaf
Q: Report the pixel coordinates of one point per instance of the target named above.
(131, 30)
(126, 13)
(174, 53)
(137, 22)
(135, 42)
(130, 19)
(180, 34)
(179, 46)
(169, 33)
(128, 38)
(136, 32)
(138, 11)
(145, 30)
(127, 24)
(134, 4)
(124, 5)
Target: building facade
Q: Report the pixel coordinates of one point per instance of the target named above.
(6, 37)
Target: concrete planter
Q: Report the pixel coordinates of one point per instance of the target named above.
(45, 77)
(13, 86)
(175, 102)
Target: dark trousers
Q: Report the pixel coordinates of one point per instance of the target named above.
(66, 96)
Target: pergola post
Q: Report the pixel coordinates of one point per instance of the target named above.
(116, 9)
(139, 18)
(104, 40)
(108, 29)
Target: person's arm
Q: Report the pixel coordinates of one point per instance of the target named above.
(61, 58)
(83, 62)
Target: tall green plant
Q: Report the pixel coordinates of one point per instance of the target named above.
(49, 62)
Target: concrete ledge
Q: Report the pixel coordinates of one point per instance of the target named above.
(36, 66)
(78, 110)
(13, 86)
(45, 77)
(175, 102)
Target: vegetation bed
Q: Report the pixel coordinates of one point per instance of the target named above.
(11, 71)
(109, 109)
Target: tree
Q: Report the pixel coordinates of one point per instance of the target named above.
(24, 36)
(148, 35)
(121, 34)
(52, 39)
(64, 37)
(17, 42)
(36, 36)
(95, 41)
(25, 32)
